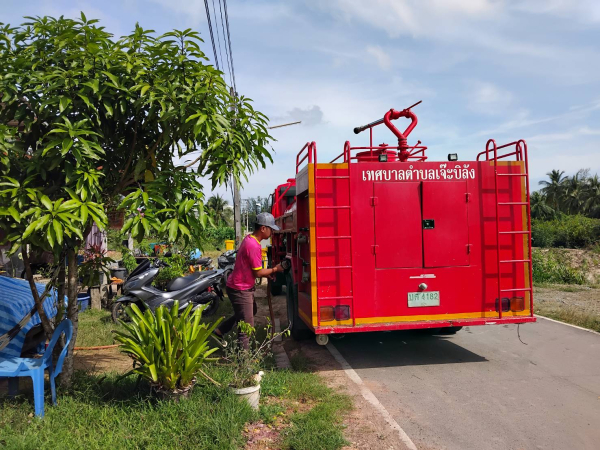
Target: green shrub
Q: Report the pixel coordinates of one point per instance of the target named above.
(217, 236)
(129, 260)
(177, 267)
(169, 349)
(551, 266)
(575, 231)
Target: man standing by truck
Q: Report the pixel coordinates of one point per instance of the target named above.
(248, 267)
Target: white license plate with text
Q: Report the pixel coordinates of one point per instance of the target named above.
(429, 298)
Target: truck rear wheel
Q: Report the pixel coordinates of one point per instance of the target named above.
(450, 330)
(276, 289)
(298, 328)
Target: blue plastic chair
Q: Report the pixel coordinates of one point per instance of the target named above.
(34, 367)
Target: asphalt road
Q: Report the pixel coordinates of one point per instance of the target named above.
(482, 388)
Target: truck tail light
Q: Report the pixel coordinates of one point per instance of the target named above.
(517, 304)
(342, 312)
(329, 313)
(505, 304)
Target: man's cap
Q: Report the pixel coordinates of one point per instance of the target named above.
(267, 220)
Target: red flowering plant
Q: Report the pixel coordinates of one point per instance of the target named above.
(95, 262)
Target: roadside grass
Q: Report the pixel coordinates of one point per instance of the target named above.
(568, 314)
(103, 411)
(319, 424)
(95, 328)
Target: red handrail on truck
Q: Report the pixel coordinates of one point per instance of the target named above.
(384, 239)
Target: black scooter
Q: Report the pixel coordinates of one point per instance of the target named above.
(226, 262)
(200, 288)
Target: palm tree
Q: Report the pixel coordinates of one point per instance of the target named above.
(592, 197)
(539, 208)
(218, 210)
(574, 194)
(554, 189)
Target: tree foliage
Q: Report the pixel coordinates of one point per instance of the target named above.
(88, 122)
(561, 194)
(219, 211)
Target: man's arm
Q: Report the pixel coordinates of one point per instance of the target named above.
(260, 273)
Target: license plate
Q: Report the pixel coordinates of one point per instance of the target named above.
(429, 298)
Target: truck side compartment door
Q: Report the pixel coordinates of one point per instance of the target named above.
(398, 230)
(445, 224)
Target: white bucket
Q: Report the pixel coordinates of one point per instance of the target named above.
(250, 394)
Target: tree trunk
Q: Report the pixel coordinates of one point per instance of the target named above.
(72, 314)
(48, 329)
(60, 308)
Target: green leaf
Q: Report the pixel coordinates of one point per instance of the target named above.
(83, 18)
(144, 89)
(94, 84)
(30, 228)
(83, 213)
(50, 236)
(86, 100)
(173, 226)
(112, 77)
(64, 102)
(109, 109)
(14, 213)
(58, 229)
(46, 202)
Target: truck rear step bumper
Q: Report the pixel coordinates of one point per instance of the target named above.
(421, 325)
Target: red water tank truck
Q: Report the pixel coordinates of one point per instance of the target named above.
(380, 238)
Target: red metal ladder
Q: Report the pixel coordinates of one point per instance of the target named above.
(520, 150)
(349, 237)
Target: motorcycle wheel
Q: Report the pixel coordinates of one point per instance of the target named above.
(118, 312)
(226, 275)
(213, 305)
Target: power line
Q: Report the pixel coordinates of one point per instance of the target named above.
(229, 42)
(218, 36)
(229, 63)
(211, 33)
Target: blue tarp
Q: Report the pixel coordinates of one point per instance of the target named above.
(16, 301)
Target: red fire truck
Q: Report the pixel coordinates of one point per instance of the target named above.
(380, 238)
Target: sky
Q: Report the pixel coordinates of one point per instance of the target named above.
(499, 69)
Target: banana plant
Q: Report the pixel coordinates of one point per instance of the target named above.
(169, 348)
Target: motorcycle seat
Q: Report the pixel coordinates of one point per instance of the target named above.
(183, 282)
(203, 261)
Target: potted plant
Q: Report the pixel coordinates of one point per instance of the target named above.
(168, 348)
(95, 264)
(246, 364)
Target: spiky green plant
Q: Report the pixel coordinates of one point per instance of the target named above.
(169, 348)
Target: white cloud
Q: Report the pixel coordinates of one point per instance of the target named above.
(309, 116)
(487, 98)
(383, 59)
(587, 11)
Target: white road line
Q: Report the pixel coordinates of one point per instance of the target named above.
(370, 397)
(567, 324)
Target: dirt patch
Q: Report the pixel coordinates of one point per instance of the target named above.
(260, 436)
(583, 298)
(100, 361)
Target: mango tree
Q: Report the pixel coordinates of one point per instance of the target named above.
(88, 121)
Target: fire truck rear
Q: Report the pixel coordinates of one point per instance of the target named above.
(380, 238)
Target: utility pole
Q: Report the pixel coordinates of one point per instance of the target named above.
(237, 211)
